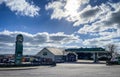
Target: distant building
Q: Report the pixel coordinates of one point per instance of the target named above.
(57, 55)
(53, 54)
(71, 56)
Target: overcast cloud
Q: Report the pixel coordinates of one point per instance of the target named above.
(34, 42)
(22, 7)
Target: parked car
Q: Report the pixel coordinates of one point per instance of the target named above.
(11, 61)
(114, 61)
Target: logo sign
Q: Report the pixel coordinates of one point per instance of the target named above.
(19, 49)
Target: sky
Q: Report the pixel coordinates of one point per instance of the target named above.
(59, 23)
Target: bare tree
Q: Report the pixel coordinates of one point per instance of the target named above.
(111, 49)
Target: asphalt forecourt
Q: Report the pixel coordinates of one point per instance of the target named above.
(66, 70)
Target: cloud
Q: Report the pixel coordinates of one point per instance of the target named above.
(1, 1)
(109, 19)
(34, 42)
(81, 12)
(88, 15)
(106, 29)
(104, 38)
(22, 7)
(63, 38)
(67, 9)
(113, 19)
(90, 11)
(96, 27)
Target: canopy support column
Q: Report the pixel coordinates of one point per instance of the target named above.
(95, 57)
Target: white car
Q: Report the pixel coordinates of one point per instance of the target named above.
(11, 61)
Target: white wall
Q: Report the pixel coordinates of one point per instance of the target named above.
(59, 58)
(49, 54)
